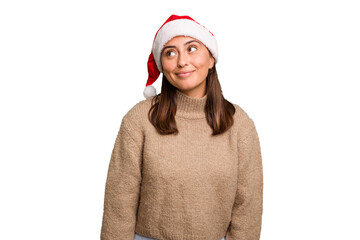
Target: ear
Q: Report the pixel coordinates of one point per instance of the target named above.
(212, 62)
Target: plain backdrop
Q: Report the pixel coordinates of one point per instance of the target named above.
(70, 70)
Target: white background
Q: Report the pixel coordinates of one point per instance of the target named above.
(70, 70)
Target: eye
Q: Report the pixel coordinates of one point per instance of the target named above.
(168, 53)
(193, 47)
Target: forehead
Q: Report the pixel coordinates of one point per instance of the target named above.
(181, 40)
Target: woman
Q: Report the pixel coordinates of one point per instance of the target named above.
(186, 163)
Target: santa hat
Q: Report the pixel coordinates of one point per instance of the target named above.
(175, 26)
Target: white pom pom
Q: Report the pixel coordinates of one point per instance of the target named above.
(149, 91)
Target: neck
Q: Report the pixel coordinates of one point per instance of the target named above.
(190, 107)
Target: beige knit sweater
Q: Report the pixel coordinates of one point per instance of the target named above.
(186, 187)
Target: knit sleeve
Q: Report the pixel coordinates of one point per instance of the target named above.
(122, 185)
(247, 210)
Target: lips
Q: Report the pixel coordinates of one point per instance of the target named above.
(184, 74)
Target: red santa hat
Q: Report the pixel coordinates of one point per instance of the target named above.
(175, 26)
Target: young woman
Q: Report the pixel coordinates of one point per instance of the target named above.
(186, 163)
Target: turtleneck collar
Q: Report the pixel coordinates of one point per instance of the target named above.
(190, 107)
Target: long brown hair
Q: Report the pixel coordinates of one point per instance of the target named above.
(219, 111)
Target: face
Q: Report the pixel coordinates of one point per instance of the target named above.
(186, 63)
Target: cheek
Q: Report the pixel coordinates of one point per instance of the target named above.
(167, 66)
(202, 62)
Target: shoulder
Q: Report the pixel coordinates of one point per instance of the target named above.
(242, 121)
(138, 114)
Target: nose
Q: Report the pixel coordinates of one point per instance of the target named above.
(183, 59)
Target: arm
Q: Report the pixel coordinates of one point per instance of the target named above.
(247, 210)
(122, 187)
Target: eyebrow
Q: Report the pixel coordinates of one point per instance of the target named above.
(184, 44)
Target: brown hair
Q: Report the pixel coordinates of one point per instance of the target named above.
(219, 111)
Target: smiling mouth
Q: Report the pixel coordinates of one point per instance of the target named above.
(185, 74)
